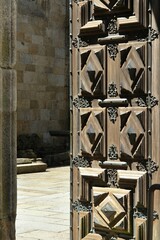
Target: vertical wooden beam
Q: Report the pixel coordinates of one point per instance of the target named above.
(8, 102)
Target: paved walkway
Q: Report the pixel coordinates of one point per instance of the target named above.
(43, 205)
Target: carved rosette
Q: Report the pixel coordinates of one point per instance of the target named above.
(113, 114)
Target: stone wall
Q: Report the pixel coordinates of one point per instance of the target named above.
(42, 67)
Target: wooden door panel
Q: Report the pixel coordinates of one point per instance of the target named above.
(93, 137)
(109, 210)
(93, 70)
(113, 108)
(133, 133)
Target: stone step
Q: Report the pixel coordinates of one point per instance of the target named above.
(26, 165)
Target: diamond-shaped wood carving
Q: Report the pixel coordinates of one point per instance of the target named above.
(92, 131)
(92, 70)
(132, 136)
(105, 6)
(112, 209)
(133, 68)
(130, 12)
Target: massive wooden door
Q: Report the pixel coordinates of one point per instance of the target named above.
(115, 132)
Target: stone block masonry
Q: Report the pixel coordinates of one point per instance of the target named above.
(42, 67)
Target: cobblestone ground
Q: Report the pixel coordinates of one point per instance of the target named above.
(43, 205)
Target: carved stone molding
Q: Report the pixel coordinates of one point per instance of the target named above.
(113, 113)
(80, 162)
(112, 50)
(79, 206)
(113, 153)
(112, 90)
(81, 102)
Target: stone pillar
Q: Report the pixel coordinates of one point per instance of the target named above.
(8, 101)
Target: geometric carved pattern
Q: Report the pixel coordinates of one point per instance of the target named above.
(92, 131)
(105, 6)
(112, 209)
(112, 206)
(87, 178)
(92, 71)
(135, 17)
(133, 68)
(132, 136)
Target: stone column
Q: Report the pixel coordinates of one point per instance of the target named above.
(8, 101)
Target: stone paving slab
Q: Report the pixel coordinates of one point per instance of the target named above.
(43, 205)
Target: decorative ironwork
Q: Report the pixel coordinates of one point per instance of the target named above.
(78, 42)
(80, 162)
(81, 102)
(112, 178)
(113, 114)
(78, 206)
(149, 166)
(82, 43)
(150, 101)
(141, 102)
(75, 42)
(112, 26)
(112, 90)
(140, 211)
(112, 50)
(113, 153)
(155, 215)
(153, 34)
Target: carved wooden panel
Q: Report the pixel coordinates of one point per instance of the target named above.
(92, 75)
(115, 210)
(93, 131)
(135, 17)
(133, 67)
(133, 133)
(115, 113)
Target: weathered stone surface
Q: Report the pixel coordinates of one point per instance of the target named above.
(7, 33)
(8, 108)
(7, 153)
